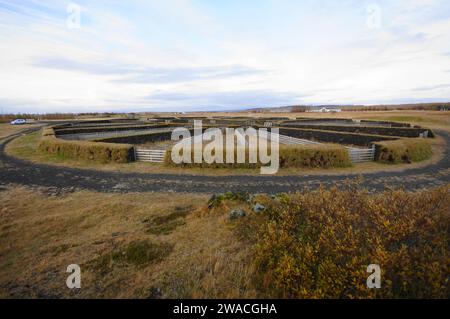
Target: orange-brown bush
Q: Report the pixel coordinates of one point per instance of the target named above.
(319, 244)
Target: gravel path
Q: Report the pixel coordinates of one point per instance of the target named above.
(60, 179)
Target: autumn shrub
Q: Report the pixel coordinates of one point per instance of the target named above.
(403, 151)
(318, 244)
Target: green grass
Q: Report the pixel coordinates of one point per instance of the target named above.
(137, 253)
(164, 225)
(26, 145)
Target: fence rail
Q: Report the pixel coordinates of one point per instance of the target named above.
(152, 156)
(288, 140)
(360, 155)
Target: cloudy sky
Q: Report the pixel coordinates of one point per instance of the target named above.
(181, 55)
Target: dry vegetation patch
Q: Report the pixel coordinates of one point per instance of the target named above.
(319, 244)
(108, 236)
(314, 244)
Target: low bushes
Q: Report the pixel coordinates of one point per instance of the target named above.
(91, 151)
(403, 151)
(318, 244)
(313, 156)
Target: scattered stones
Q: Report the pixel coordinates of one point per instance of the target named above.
(250, 198)
(120, 186)
(259, 208)
(236, 214)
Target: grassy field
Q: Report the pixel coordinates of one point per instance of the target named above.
(191, 253)
(314, 244)
(172, 245)
(7, 129)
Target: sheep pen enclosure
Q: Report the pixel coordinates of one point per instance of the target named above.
(303, 142)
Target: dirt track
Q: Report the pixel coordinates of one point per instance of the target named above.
(60, 179)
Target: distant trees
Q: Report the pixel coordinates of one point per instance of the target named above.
(299, 109)
(5, 118)
(393, 107)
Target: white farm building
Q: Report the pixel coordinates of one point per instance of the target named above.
(325, 109)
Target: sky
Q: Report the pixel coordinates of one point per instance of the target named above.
(182, 55)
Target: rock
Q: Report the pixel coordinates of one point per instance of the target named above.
(250, 198)
(120, 186)
(236, 214)
(154, 293)
(258, 208)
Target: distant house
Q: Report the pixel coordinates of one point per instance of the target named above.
(325, 109)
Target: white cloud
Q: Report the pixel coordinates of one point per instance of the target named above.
(306, 52)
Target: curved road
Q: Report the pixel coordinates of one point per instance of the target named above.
(16, 171)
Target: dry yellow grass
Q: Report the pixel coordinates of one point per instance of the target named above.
(197, 252)
(41, 235)
(6, 129)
